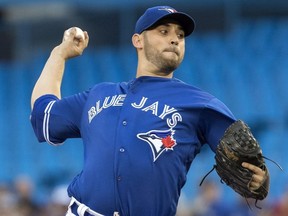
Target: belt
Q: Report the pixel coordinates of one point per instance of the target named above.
(83, 210)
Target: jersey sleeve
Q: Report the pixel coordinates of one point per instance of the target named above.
(54, 120)
(215, 118)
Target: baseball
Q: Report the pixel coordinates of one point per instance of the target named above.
(79, 33)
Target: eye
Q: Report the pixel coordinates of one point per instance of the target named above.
(153, 136)
(163, 31)
(181, 35)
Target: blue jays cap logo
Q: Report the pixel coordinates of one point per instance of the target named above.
(168, 9)
(159, 141)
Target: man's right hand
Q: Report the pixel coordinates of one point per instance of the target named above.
(72, 45)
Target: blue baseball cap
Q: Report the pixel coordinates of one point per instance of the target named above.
(155, 14)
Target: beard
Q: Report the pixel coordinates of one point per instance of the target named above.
(165, 63)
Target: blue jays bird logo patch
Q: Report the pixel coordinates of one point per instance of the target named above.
(159, 141)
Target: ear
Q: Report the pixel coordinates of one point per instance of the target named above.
(137, 41)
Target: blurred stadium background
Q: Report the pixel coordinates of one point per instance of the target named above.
(239, 53)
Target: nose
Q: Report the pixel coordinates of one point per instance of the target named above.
(174, 40)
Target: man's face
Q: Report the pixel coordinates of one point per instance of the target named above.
(164, 46)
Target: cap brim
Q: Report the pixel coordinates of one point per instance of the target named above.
(183, 19)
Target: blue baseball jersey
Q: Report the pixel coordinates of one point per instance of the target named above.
(140, 138)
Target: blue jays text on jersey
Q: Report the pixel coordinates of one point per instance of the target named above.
(117, 100)
(139, 139)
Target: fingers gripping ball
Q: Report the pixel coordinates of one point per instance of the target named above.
(74, 42)
(78, 33)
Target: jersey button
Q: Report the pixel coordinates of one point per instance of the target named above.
(124, 123)
(122, 150)
(119, 178)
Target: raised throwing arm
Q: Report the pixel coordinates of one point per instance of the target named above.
(49, 82)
